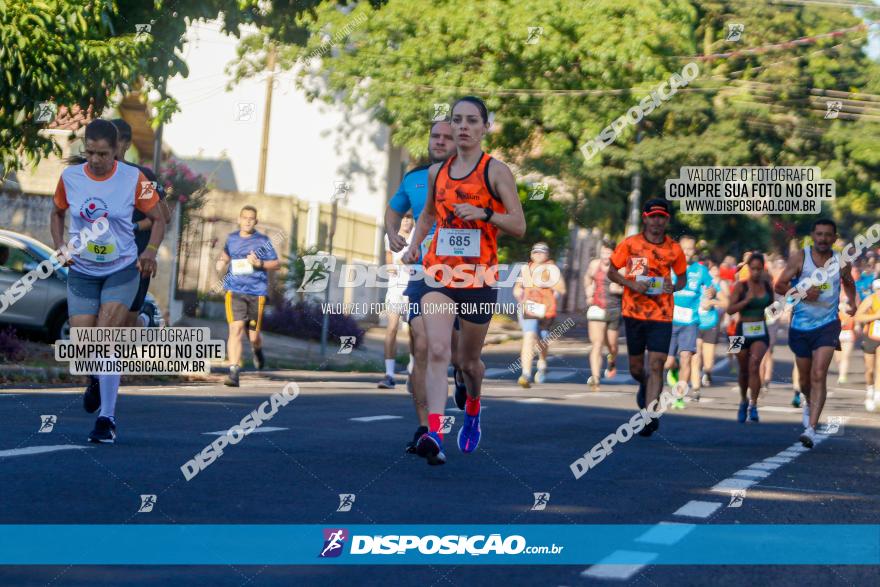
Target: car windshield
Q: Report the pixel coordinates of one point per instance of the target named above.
(37, 248)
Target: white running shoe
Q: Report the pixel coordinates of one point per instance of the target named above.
(808, 437)
(871, 401)
(540, 376)
(806, 418)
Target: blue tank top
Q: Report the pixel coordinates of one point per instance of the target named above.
(812, 315)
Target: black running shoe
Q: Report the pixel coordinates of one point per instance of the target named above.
(232, 379)
(650, 428)
(411, 447)
(430, 447)
(92, 396)
(460, 388)
(259, 359)
(104, 432)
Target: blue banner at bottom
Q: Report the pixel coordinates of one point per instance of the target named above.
(662, 544)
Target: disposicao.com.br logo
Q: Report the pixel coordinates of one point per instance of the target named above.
(451, 544)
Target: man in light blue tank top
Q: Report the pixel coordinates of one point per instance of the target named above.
(815, 326)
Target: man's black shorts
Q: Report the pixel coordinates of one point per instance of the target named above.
(803, 342)
(138, 302)
(242, 307)
(650, 334)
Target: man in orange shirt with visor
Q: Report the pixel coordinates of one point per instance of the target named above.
(643, 264)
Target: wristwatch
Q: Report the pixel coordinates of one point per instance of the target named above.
(489, 212)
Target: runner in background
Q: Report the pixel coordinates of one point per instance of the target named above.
(713, 303)
(847, 340)
(775, 265)
(682, 362)
(537, 289)
(142, 224)
(603, 315)
(248, 255)
(868, 315)
(750, 299)
(647, 261)
(395, 300)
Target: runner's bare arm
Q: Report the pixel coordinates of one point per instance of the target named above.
(222, 262)
(513, 222)
(863, 314)
(559, 287)
(147, 260)
(738, 301)
(614, 276)
(426, 219)
(680, 281)
(56, 227)
(393, 218)
(264, 264)
(588, 279)
(792, 269)
(849, 286)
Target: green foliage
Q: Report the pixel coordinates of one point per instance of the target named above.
(594, 61)
(76, 53)
(546, 220)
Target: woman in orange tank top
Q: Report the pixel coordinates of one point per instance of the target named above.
(471, 197)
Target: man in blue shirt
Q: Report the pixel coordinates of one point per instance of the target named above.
(248, 255)
(411, 195)
(686, 323)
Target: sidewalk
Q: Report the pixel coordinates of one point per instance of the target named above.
(286, 348)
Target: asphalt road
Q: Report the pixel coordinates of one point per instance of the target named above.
(315, 448)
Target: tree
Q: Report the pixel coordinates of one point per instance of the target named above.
(74, 53)
(555, 73)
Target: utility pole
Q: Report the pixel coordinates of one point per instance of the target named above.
(635, 196)
(325, 326)
(267, 115)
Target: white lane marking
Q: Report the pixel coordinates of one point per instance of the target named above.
(766, 466)
(731, 483)
(577, 395)
(789, 454)
(703, 400)
(697, 509)
(532, 400)
(375, 418)
(666, 533)
(780, 460)
(609, 568)
(38, 450)
(797, 448)
(753, 473)
(254, 431)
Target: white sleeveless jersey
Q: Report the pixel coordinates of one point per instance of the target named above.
(113, 197)
(811, 315)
